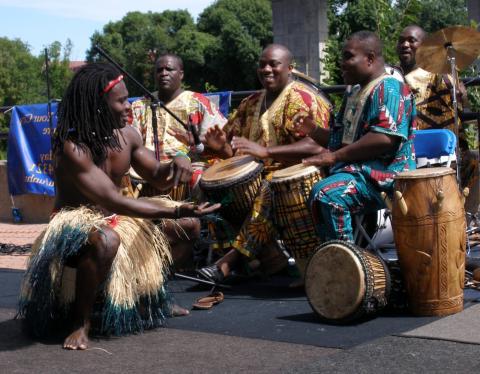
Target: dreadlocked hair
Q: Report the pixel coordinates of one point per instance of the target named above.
(84, 116)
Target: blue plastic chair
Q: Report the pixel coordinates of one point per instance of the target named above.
(434, 146)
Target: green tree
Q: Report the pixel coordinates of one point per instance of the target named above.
(22, 76)
(387, 18)
(59, 71)
(138, 38)
(20, 81)
(241, 29)
(220, 52)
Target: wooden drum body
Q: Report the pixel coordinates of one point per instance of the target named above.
(430, 233)
(291, 189)
(344, 282)
(234, 183)
(135, 186)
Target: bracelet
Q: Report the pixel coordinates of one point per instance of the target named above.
(182, 154)
(177, 212)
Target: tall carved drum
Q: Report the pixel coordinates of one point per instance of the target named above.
(430, 232)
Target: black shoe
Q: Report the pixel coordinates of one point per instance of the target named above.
(211, 273)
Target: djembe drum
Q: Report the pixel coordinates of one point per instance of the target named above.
(290, 192)
(234, 183)
(430, 232)
(344, 282)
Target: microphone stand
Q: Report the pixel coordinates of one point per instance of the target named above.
(452, 60)
(49, 108)
(155, 102)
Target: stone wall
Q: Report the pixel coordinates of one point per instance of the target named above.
(33, 208)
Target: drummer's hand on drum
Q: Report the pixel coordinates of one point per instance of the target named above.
(247, 147)
(215, 138)
(182, 169)
(194, 210)
(303, 125)
(326, 158)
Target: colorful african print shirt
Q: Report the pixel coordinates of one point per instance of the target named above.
(388, 108)
(275, 125)
(187, 106)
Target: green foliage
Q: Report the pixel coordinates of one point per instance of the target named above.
(22, 77)
(387, 18)
(241, 29)
(58, 69)
(138, 38)
(221, 51)
(19, 74)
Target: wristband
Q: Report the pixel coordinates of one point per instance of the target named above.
(177, 212)
(182, 154)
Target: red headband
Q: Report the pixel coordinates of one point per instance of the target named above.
(112, 84)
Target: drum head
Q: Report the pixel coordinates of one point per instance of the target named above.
(425, 173)
(229, 170)
(335, 281)
(292, 172)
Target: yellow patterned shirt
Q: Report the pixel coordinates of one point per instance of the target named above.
(275, 125)
(187, 106)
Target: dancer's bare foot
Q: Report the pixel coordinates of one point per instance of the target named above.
(178, 311)
(77, 340)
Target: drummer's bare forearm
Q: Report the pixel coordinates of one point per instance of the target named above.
(296, 151)
(320, 136)
(368, 147)
(156, 173)
(142, 208)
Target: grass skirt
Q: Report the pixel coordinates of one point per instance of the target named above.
(132, 299)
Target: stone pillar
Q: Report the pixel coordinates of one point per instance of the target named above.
(474, 10)
(302, 26)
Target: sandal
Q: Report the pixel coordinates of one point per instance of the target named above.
(207, 302)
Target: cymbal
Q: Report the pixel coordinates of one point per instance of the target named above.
(432, 53)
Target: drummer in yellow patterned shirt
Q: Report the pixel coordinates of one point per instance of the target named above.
(189, 106)
(263, 126)
(433, 96)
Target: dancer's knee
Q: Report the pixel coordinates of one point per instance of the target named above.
(105, 243)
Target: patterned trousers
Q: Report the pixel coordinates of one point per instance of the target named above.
(334, 199)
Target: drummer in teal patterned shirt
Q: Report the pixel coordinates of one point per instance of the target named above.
(370, 142)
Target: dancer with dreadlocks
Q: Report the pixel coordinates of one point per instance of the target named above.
(101, 263)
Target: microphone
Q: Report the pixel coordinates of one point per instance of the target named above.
(199, 147)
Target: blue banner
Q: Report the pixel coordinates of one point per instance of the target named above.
(29, 156)
(222, 100)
